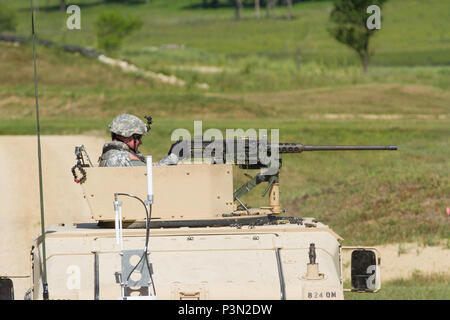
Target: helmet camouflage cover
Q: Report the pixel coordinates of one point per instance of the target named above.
(126, 125)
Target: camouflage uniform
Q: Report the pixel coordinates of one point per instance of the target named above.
(168, 160)
(118, 154)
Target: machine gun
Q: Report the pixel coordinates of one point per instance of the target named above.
(254, 153)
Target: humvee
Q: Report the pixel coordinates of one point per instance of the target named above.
(180, 232)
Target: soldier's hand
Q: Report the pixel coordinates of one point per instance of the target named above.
(181, 149)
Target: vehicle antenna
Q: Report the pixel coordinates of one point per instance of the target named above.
(41, 193)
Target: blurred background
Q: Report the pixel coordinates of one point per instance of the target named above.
(311, 69)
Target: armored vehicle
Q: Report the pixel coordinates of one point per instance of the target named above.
(180, 232)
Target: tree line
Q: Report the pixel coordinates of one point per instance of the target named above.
(347, 22)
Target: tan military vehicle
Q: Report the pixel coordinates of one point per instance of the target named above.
(181, 232)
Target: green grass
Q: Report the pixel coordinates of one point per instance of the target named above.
(413, 32)
(418, 287)
(263, 55)
(79, 87)
(52, 127)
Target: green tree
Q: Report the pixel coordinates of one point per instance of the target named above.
(112, 28)
(238, 12)
(348, 25)
(8, 21)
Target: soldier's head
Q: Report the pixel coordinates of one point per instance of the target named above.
(128, 129)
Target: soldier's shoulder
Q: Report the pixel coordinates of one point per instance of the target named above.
(116, 158)
(114, 145)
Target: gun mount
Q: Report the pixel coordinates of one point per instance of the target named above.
(254, 153)
(202, 245)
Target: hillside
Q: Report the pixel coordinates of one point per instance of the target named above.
(413, 32)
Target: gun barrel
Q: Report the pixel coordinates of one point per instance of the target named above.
(344, 148)
(298, 147)
(251, 147)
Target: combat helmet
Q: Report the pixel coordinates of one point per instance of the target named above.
(126, 125)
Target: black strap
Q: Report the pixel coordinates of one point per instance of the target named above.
(82, 171)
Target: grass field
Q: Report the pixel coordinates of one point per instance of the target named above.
(320, 96)
(420, 287)
(256, 55)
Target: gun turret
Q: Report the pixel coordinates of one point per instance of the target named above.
(253, 153)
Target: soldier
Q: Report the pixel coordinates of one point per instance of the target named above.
(126, 134)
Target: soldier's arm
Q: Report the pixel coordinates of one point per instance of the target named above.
(168, 160)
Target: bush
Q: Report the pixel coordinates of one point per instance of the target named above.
(8, 21)
(112, 28)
